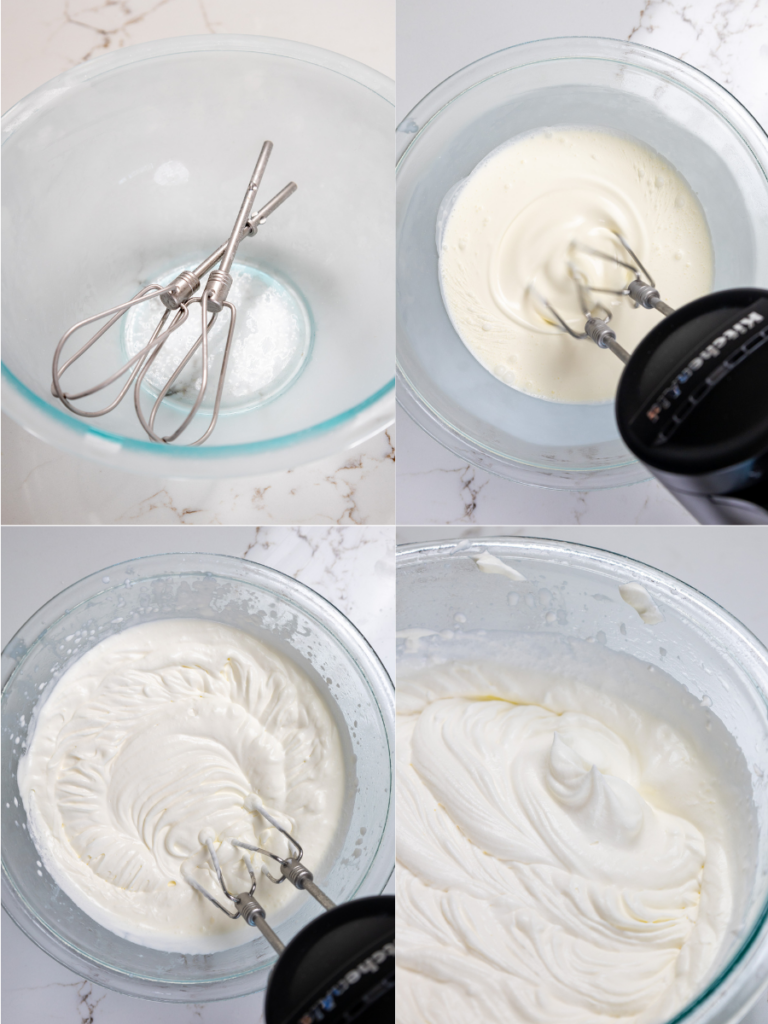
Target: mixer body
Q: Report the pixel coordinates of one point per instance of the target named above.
(691, 406)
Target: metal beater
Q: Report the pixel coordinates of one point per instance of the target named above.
(177, 297)
(246, 905)
(642, 292)
(340, 967)
(690, 402)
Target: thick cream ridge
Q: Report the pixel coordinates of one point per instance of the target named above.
(156, 734)
(562, 855)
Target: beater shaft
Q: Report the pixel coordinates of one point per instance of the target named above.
(220, 281)
(272, 938)
(647, 296)
(291, 868)
(250, 227)
(213, 300)
(246, 905)
(253, 914)
(188, 281)
(319, 895)
(643, 293)
(602, 335)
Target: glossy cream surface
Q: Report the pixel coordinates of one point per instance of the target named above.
(562, 855)
(158, 736)
(506, 237)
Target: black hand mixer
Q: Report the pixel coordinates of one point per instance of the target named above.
(340, 968)
(691, 402)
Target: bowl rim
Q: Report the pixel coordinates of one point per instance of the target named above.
(751, 134)
(729, 992)
(433, 102)
(350, 427)
(358, 648)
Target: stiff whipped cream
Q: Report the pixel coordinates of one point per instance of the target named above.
(562, 855)
(510, 225)
(159, 736)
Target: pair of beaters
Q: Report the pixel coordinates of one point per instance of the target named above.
(340, 968)
(177, 298)
(691, 402)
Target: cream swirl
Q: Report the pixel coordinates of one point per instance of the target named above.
(157, 733)
(546, 872)
(508, 237)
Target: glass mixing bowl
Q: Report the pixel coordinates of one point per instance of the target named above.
(690, 120)
(572, 591)
(272, 607)
(122, 169)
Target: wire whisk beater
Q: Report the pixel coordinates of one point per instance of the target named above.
(641, 290)
(177, 297)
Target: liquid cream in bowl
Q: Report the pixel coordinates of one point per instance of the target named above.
(507, 233)
(158, 736)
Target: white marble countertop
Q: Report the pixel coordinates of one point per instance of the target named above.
(353, 567)
(728, 565)
(43, 485)
(43, 38)
(435, 38)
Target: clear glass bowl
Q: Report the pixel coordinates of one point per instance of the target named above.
(572, 590)
(690, 120)
(119, 170)
(272, 607)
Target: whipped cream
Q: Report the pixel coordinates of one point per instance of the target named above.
(157, 737)
(637, 597)
(562, 855)
(511, 224)
(486, 562)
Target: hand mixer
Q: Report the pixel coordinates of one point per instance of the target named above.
(339, 967)
(691, 400)
(177, 297)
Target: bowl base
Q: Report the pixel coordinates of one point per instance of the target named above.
(270, 346)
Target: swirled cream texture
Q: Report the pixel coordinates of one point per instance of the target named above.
(156, 734)
(561, 855)
(509, 236)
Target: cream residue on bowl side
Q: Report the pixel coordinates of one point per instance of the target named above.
(637, 597)
(486, 562)
(157, 735)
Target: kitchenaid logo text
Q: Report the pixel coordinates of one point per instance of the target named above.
(712, 351)
(370, 965)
